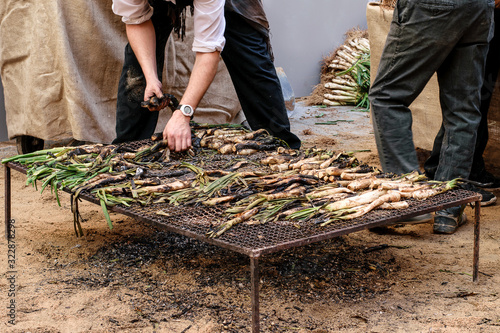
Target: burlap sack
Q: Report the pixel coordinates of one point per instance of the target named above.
(426, 110)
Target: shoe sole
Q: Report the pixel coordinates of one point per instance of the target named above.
(419, 219)
(489, 202)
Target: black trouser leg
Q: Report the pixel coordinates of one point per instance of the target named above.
(255, 80)
(132, 121)
(490, 78)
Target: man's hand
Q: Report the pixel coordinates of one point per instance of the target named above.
(158, 104)
(153, 88)
(178, 132)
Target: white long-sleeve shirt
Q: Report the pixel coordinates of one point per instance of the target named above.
(209, 22)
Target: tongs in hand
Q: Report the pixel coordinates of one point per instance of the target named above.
(157, 104)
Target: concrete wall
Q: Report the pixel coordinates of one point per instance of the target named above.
(305, 31)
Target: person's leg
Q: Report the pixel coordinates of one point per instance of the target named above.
(134, 122)
(432, 163)
(478, 171)
(455, 142)
(410, 58)
(460, 79)
(255, 80)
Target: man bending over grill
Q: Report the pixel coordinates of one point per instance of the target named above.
(449, 38)
(236, 30)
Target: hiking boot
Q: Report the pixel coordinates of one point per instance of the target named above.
(447, 221)
(485, 180)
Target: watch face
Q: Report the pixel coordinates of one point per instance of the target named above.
(187, 110)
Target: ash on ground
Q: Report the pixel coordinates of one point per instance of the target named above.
(143, 271)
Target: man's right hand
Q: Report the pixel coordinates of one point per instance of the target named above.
(158, 104)
(153, 89)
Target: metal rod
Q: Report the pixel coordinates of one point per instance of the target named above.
(7, 202)
(254, 271)
(475, 263)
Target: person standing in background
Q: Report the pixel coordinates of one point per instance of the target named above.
(450, 39)
(236, 30)
(479, 175)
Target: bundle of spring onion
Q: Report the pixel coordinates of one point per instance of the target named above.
(345, 74)
(116, 175)
(83, 168)
(351, 68)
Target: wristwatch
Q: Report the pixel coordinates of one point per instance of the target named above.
(186, 110)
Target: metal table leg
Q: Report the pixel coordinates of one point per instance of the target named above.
(254, 271)
(475, 263)
(7, 199)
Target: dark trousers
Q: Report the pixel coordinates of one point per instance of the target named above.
(490, 76)
(250, 67)
(443, 37)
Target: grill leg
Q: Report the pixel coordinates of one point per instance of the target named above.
(475, 263)
(254, 271)
(7, 202)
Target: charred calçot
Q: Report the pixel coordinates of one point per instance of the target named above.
(157, 104)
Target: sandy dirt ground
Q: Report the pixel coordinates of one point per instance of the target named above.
(135, 278)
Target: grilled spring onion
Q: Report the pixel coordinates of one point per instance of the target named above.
(107, 200)
(219, 230)
(392, 196)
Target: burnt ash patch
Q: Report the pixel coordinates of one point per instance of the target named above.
(164, 276)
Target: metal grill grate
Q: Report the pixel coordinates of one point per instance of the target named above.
(257, 239)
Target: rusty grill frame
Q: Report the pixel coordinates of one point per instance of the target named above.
(257, 240)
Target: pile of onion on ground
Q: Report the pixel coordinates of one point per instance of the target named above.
(345, 74)
(253, 176)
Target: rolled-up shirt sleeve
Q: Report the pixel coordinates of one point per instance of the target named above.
(209, 25)
(133, 11)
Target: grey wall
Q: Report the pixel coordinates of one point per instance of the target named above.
(3, 123)
(303, 32)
